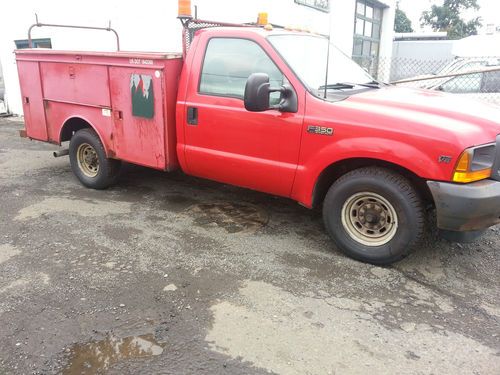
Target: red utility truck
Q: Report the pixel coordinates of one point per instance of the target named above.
(282, 112)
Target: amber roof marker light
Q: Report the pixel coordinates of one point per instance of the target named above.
(184, 9)
(262, 19)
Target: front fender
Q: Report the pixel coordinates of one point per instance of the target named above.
(402, 154)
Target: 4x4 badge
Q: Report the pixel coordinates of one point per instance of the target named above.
(321, 130)
(445, 159)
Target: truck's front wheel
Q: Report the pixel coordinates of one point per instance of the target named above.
(89, 162)
(374, 215)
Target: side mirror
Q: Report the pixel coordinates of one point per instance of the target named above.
(258, 89)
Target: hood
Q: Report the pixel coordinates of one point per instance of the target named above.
(432, 114)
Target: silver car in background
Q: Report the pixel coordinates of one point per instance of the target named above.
(484, 85)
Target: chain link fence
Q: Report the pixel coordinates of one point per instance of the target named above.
(482, 83)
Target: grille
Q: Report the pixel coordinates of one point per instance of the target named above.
(191, 26)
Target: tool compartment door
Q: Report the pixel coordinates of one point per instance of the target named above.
(137, 110)
(33, 106)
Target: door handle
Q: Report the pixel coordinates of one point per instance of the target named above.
(192, 116)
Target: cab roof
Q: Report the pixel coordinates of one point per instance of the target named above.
(257, 30)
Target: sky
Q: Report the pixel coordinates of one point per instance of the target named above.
(490, 10)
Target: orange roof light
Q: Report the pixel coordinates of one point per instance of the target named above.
(262, 19)
(184, 8)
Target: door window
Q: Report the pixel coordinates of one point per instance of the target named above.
(468, 84)
(491, 82)
(229, 62)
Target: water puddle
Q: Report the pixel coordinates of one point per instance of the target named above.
(98, 356)
(233, 217)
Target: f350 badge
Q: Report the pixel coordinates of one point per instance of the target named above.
(321, 130)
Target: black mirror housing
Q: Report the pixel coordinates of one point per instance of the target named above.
(257, 93)
(257, 90)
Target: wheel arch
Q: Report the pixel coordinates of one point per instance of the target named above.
(337, 169)
(72, 124)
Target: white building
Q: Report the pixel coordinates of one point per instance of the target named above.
(361, 28)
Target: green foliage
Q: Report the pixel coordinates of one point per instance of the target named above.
(402, 23)
(447, 18)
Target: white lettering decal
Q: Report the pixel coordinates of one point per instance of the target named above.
(141, 62)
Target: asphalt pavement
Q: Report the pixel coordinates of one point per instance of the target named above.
(170, 274)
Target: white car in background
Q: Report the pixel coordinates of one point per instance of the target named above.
(484, 86)
(2, 88)
(2, 94)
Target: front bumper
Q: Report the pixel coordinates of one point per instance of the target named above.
(467, 207)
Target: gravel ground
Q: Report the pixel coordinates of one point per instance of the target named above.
(171, 274)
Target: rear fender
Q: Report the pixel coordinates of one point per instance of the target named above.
(68, 122)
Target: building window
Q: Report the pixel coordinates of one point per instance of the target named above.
(323, 5)
(367, 27)
(37, 43)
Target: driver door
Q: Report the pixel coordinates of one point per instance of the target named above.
(223, 141)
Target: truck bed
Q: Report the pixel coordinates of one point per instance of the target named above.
(128, 98)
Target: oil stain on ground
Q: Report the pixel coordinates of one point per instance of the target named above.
(97, 357)
(230, 216)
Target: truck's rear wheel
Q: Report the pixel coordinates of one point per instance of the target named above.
(374, 215)
(89, 162)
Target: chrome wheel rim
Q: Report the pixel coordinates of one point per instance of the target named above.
(369, 219)
(88, 161)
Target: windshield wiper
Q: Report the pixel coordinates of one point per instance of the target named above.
(371, 84)
(337, 86)
(350, 85)
(374, 84)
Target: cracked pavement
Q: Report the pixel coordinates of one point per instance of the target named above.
(171, 274)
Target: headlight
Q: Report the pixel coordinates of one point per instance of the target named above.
(475, 164)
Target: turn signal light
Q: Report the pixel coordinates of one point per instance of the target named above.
(184, 8)
(463, 172)
(466, 177)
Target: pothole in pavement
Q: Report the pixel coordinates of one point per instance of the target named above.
(96, 357)
(233, 217)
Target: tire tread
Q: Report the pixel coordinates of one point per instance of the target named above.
(404, 186)
(112, 168)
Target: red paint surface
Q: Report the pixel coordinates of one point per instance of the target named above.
(136, 139)
(257, 150)
(31, 92)
(268, 151)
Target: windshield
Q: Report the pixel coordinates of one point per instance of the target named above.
(307, 56)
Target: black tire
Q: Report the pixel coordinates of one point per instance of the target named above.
(358, 199)
(106, 171)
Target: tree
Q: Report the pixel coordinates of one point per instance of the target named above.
(447, 18)
(402, 23)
